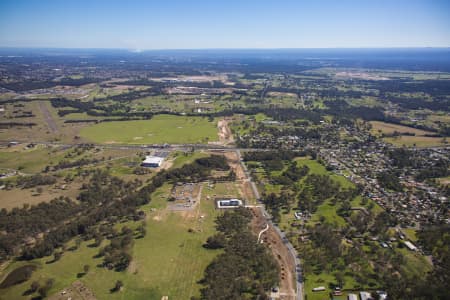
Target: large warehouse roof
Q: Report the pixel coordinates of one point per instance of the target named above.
(153, 160)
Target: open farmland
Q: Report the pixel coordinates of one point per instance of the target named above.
(160, 129)
(388, 128)
(403, 135)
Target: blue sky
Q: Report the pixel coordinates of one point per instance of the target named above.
(189, 24)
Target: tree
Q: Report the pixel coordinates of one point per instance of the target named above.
(141, 230)
(340, 280)
(77, 242)
(98, 240)
(57, 256)
(86, 268)
(43, 290)
(117, 286)
(34, 287)
(216, 241)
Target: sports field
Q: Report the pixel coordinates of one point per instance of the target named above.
(158, 130)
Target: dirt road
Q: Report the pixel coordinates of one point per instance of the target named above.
(241, 178)
(284, 259)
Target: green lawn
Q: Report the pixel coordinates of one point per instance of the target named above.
(328, 211)
(160, 129)
(410, 234)
(324, 279)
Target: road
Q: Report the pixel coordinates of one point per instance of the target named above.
(287, 244)
(171, 147)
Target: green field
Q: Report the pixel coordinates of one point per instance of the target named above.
(168, 261)
(160, 129)
(29, 161)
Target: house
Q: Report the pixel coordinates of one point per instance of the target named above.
(365, 295)
(382, 295)
(152, 161)
(352, 297)
(410, 246)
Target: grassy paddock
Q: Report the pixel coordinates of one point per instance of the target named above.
(419, 139)
(389, 128)
(160, 129)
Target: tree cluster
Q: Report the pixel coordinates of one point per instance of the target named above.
(246, 269)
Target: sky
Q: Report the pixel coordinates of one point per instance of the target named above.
(200, 24)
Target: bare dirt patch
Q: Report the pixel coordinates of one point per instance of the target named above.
(225, 134)
(241, 179)
(77, 291)
(282, 94)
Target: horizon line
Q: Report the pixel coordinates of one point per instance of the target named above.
(137, 50)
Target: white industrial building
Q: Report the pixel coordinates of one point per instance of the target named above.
(152, 161)
(228, 203)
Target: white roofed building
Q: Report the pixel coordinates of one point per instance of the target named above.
(152, 161)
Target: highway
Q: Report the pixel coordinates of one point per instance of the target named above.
(168, 147)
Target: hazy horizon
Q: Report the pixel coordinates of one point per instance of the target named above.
(155, 25)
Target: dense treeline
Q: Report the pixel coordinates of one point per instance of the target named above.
(269, 155)
(27, 182)
(433, 87)
(130, 96)
(33, 85)
(7, 125)
(412, 103)
(340, 108)
(246, 269)
(65, 164)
